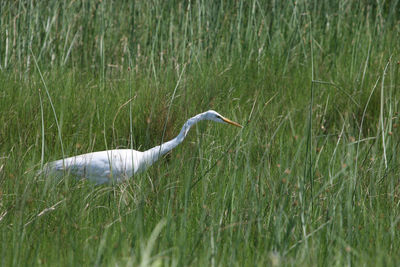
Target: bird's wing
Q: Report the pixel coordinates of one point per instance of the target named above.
(92, 166)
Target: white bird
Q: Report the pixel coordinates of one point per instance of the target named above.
(120, 164)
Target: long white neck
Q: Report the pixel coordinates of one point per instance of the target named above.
(155, 153)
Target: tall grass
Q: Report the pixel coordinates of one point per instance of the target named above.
(312, 178)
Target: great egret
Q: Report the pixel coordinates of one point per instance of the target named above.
(120, 164)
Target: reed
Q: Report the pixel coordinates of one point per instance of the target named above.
(312, 179)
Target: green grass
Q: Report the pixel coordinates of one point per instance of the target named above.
(311, 180)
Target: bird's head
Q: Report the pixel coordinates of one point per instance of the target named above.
(215, 116)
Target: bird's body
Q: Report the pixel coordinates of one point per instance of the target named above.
(101, 166)
(120, 164)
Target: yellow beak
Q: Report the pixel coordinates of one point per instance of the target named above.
(231, 122)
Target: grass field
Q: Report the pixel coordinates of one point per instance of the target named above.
(311, 180)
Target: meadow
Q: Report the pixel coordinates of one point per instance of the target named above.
(312, 179)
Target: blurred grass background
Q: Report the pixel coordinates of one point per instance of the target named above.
(312, 179)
